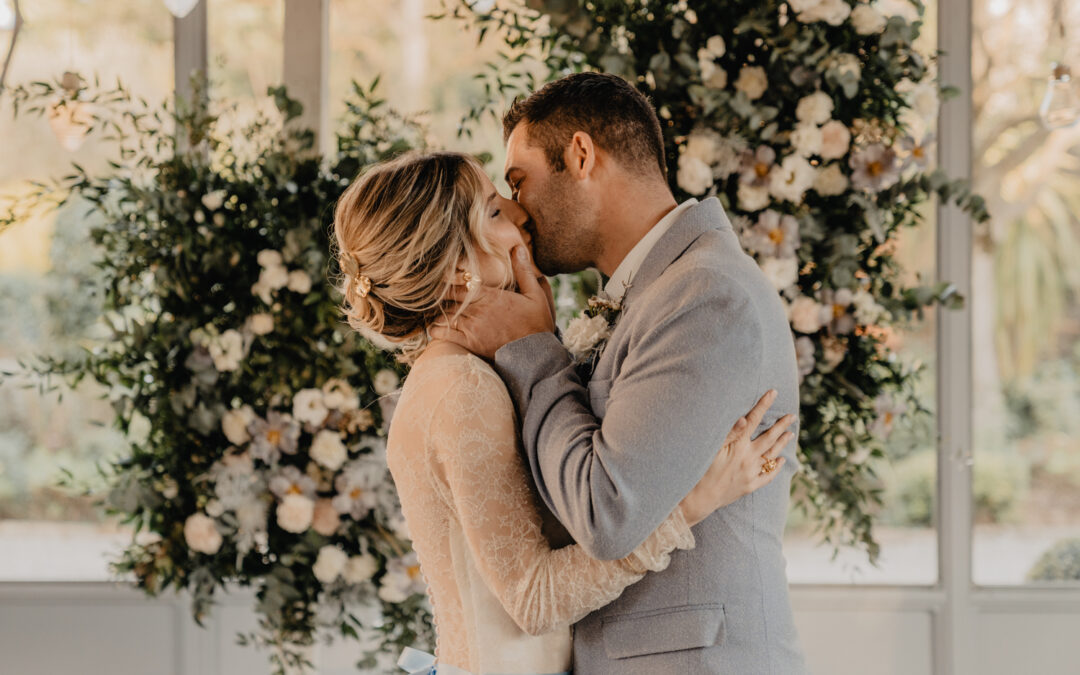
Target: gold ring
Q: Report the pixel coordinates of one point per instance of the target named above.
(768, 466)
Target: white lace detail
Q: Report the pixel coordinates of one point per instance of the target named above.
(503, 599)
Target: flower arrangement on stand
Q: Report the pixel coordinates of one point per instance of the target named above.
(810, 120)
(256, 417)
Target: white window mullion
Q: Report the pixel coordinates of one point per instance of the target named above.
(954, 624)
(307, 62)
(190, 49)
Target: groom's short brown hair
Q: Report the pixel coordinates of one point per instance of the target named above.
(617, 116)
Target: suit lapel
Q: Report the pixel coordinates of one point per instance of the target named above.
(694, 222)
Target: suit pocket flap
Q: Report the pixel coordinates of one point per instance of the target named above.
(663, 630)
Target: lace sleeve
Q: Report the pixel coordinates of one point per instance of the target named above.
(474, 435)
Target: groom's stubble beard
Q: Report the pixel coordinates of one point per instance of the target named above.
(564, 241)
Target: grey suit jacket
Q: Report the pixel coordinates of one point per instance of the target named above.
(702, 336)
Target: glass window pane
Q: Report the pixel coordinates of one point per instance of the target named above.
(43, 264)
(1026, 304)
(246, 46)
(904, 527)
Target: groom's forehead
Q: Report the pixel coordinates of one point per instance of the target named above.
(519, 151)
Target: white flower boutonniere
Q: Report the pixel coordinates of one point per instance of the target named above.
(587, 335)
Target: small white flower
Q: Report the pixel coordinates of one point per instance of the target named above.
(261, 323)
(831, 181)
(299, 282)
(360, 568)
(753, 197)
(309, 408)
(328, 450)
(835, 140)
(752, 81)
(791, 179)
(888, 409)
(214, 200)
(339, 395)
(294, 513)
(867, 310)
(403, 579)
(268, 258)
(804, 354)
(215, 508)
(782, 272)
(139, 428)
(695, 176)
(817, 108)
(201, 534)
(715, 46)
(866, 20)
(386, 382)
(806, 139)
(704, 144)
(235, 423)
(712, 75)
(584, 333)
(832, 12)
(274, 278)
(227, 350)
(329, 564)
(805, 315)
(357, 487)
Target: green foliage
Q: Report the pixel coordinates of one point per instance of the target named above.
(1060, 563)
(198, 204)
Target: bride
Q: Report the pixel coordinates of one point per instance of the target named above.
(407, 233)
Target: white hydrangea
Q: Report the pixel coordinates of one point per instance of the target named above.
(214, 200)
(867, 20)
(752, 81)
(695, 176)
(782, 272)
(227, 350)
(703, 144)
(329, 564)
(201, 534)
(309, 407)
(791, 179)
(360, 568)
(328, 450)
(816, 108)
(584, 333)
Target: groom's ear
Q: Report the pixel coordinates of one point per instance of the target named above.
(581, 155)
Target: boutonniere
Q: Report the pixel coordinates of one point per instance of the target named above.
(587, 334)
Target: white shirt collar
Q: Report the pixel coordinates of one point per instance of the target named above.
(624, 274)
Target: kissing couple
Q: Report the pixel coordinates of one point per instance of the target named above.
(613, 513)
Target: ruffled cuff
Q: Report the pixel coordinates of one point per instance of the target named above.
(654, 554)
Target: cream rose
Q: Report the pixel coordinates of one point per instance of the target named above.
(295, 513)
(805, 315)
(328, 450)
(309, 408)
(325, 519)
(386, 382)
(584, 333)
(817, 108)
(806, 139)
(360, 568)
(782, 272)
(329, 564)
(201, 534)
(695, 176)
(753, 198)
(835, 140)
(299, 282)
(752, 81)
(261, 323)
(235, 423)
(866, 20)
(831, 181)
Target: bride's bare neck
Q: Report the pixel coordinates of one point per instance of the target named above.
(438, 348)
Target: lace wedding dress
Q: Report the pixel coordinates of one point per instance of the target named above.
(503, 599)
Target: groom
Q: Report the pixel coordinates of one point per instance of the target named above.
(701, 336)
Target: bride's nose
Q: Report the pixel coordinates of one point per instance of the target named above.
(518, 216)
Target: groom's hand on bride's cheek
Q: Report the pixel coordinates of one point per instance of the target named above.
(496, 317)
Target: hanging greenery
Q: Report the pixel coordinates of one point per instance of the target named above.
(254, 414)
(811, 121)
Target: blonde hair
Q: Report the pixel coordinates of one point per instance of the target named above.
(402, 230)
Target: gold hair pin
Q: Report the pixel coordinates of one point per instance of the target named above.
(363, 285)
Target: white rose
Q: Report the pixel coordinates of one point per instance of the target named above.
(201, 534)
(339, 395)
(360, 568)
(805, 315)
(782, 272)
(328, 450)
(299, 282)
(386, 382)
(235, 423)
(269, 258)
(716, 46)
(832, 12)
(215, 508)
(584, 333)
(831, 181)
(309, 408)
(274, 277)
(705, 145)
(835, 140)
(866, 20)
(329, 564)
(791, 179)
(294, 513)
(752, 81)
(227, 350)
(806, 139)
(261, 323)
(753, 198)
(213, 200)
(695, 176)
(817, 108)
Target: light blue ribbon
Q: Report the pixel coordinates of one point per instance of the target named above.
(416, 662)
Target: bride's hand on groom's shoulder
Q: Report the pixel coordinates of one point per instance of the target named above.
(740, 466)
(496, 317)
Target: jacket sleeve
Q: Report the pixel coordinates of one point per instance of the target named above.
(691, 369)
